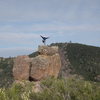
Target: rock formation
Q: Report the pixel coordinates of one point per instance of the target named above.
(21, 67)
(45, 50)
(47, 63)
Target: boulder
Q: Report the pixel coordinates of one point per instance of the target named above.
(44, 66)
(21, 68)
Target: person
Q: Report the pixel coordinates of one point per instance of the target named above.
(44, 39)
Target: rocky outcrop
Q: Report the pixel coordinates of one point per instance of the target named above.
(44, 66)
(21, 68)
(47, 63)
(45, 50)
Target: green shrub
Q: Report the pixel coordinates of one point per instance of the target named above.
(68, 89)
(3, 95)
(54, 89)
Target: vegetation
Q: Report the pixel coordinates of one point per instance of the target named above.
(34, 54)
(53, 89)
(84, 59)
(6, 77)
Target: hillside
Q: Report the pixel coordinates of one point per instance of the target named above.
(84, 60)
(6, 65)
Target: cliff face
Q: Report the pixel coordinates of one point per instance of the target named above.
(47, 63)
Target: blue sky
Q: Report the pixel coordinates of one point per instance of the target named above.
(22, 22)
